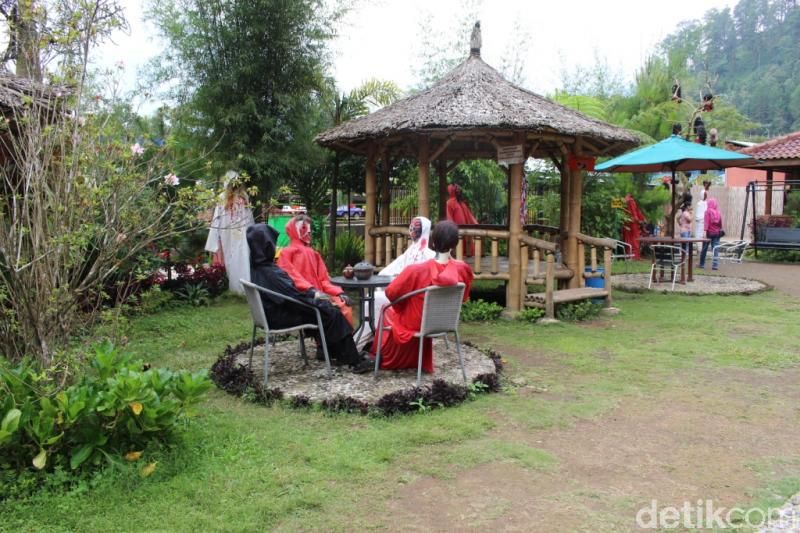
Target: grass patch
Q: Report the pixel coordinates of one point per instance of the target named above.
(247, 467)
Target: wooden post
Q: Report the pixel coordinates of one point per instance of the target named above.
(768, 197)
(548, 288)
(523, 274)
(574, 225)
(563, 224)
(581, 267)
(441, 170)
(369, 217)
(424, 178)
(514, 229)
(607, 275)
(495, 253)
(478, 254)
(386, 196)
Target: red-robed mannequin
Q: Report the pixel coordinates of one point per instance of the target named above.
(399, 348)
(459, 212)
(306, 267)
(631, 229)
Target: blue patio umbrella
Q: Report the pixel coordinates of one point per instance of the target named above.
(673, 154)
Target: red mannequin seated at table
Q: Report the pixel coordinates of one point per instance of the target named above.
(399, 348)
(306, 267)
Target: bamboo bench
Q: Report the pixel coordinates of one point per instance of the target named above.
(539, 299)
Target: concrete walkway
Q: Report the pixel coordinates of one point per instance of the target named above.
(785, 277)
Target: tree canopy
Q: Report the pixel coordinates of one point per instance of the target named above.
(248, 73)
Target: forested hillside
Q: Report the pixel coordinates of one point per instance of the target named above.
(750, 55)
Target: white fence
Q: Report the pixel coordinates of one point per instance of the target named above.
(731, 202)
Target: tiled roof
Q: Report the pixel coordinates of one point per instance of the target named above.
(786, 147)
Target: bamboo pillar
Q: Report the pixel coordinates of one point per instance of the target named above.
(768, 197)
(563, 223)
(424, 178)
(574, 226)
(607, 275)
(441, 170)
(369, 217)
(515, 284)
(386, 196)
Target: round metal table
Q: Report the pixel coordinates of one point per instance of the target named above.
(366, 296)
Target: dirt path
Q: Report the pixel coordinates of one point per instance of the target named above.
(705, 437)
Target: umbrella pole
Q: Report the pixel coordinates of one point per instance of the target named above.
(672, 207)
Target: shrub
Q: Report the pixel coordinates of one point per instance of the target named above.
(480, 310)
(578, 311)
(194, 294)
(117, 408)
(530, 314)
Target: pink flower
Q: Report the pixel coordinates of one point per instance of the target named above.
(137, 149)
(120, 64)
(171, 179)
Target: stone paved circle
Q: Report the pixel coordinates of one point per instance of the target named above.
(702, 284)
(288, 373)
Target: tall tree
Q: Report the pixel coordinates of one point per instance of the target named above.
(344, 107)
(246, 69)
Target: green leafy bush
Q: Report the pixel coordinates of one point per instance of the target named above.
(530, 314)
(349, 249)
(578, 311)
(114, 411)
(194, 294)
(480, 310)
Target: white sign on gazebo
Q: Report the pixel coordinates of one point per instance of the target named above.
(509, 155)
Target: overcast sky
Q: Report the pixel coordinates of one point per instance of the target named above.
(381, 38)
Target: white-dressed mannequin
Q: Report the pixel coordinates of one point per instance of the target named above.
(232, 216)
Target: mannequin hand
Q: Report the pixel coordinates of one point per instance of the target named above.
(346, 299)
(319, 295)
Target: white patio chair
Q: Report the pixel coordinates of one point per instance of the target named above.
(730, 251)
(667, 259)
(441, 311)
(623, 252)
(253, 294)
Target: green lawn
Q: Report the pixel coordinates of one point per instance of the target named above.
(244, 467)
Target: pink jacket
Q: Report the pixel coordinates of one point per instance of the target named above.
(713, 219)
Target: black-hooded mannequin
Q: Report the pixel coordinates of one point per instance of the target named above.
(264, 272)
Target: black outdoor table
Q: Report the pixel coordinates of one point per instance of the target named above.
(366, 295)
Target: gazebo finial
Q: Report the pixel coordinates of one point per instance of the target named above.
(475, 40)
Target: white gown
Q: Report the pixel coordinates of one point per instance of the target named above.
(417, 252)
(228, 228)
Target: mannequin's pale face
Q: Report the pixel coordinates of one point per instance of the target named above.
(415, 229)
(304, 231)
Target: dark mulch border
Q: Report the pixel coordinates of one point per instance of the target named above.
(237, 379)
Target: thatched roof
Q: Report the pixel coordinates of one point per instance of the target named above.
(474, 99)
(16, 92)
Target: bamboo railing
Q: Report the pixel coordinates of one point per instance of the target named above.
(538, 258)
(595, 244)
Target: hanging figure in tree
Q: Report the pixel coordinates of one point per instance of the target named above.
(226, 237)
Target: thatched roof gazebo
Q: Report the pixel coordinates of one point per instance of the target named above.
(474, 113)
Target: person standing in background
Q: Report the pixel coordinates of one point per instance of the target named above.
(699, 215)
(713, 230)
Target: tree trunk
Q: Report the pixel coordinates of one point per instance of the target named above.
(332, 231)
(28, 62)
